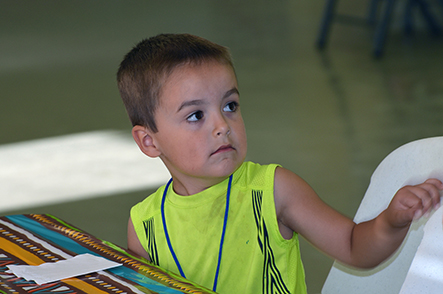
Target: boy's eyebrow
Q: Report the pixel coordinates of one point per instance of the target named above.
(190, 103)
(230, 92)
(200, 102)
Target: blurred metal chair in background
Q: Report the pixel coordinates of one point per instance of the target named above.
(379, 17)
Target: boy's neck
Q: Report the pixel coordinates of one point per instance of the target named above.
(186, 188)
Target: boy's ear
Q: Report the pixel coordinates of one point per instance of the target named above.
(145, 141)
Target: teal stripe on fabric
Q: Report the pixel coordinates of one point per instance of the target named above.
(53, 236)
(38, 229)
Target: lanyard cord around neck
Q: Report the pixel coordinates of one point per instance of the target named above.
(228, 194)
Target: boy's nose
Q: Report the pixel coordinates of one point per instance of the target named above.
(221, 133)
(221, 127)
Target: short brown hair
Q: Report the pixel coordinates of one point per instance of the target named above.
(146, 67)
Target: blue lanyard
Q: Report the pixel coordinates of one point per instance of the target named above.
(228, 194)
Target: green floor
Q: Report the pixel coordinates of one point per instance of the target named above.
(329, 117)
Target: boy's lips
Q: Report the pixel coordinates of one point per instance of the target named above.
(223, 148)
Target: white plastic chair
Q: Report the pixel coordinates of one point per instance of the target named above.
(412, 163)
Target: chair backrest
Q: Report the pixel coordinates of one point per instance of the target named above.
(412, 163)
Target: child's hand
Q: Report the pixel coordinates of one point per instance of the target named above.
(412, 202)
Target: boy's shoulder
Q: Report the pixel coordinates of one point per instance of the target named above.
(152, 202)
(255, 175)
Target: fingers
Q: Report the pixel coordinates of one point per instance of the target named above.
(437, 183)
(428, 197)
(412, 202)
(433, 188)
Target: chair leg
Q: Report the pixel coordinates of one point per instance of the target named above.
(408, 21)
(433, 25)
(373, 8)
(328, 15)
(382, 28)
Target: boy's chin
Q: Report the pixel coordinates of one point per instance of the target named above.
(228, 169)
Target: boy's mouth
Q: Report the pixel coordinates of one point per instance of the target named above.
(223, 148)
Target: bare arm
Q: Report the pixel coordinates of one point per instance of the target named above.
(364, 245)
(134, 244)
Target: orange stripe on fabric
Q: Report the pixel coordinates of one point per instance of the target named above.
(19, 252)
(85, 287)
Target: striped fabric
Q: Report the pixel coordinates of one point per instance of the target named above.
(35, 239)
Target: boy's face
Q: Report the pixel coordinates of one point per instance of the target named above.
(201, 134)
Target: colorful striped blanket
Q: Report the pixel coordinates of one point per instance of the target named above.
(35, 239)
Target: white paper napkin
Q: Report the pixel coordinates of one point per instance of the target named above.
(53, 271)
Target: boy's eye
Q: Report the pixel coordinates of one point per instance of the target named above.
(196, 116)
(231, 107)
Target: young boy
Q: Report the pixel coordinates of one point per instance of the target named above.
(226, 224)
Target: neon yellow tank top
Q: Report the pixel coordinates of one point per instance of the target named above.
(255, 258)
